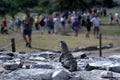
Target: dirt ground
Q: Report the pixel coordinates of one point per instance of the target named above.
(105, 52)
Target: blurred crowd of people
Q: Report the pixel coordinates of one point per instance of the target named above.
(59, 21)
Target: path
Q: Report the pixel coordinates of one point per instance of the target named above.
(105, 52)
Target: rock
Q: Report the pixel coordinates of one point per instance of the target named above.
(46, 55)
(66, 58)
(110, 75)
(10, 54)
(12, 65)
(114, 69)
(89, 67)
(104, 65)
(28, 74)
(23, 55)
(106, 74)
(60, 75)
(43, 66)
(48, 65)
(87, 75)
(5, 57)
(115, 57)
(97, 75)
(37, 58)
(49, 55)
(76, 77)
(107, 46)
(2, 49)
(101, 65)
(82, 56)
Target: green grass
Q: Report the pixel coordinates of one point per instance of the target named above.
(50, 41)
(110, 30)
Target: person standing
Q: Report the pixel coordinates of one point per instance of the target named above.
(4, 26)
(56, 21)
(36, 21)
(110, 18)
(12, 24)
(117, 17)
(96, 24)
(49, 24)
(27, 28)
(18, 24)
(88, 26)
(75, 26)
(63, 23)
(42, 25)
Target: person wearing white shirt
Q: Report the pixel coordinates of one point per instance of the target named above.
(96, 23)
(117, 18)
(63, 22)
(56, 21)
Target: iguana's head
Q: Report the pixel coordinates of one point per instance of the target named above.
(64, 47)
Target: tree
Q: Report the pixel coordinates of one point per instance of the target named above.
(64, 5)
(46, 6)
(108, 3)
(12, 6)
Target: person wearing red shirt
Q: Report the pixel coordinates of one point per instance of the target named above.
(4, 26)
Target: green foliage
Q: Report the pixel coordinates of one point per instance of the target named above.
(38, 10)
(63, 5)
(43, 3)
(12, 6)
(48, 6)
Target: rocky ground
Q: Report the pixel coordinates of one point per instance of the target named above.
(45, 65)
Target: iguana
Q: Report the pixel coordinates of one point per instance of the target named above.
(66, 58)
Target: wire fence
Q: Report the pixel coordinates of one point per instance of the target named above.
(12, 44)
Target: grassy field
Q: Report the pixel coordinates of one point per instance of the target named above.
(50, 41)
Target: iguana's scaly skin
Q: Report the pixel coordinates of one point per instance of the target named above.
(66, 58)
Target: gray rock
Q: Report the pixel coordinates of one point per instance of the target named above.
(12, 65)
(82, 56)
(29, 74)
(43, 66)
(11, 54)
(115, 56)
(95, 75)
(99, 64)
(76, 77)
(37, 58)
(60, 75)
(49, 55)
(5, 57)
(106, 74)
(23, 55)
(104, 65)
(2, 49)
(48, 65)
(88, 75)
(114, 69)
